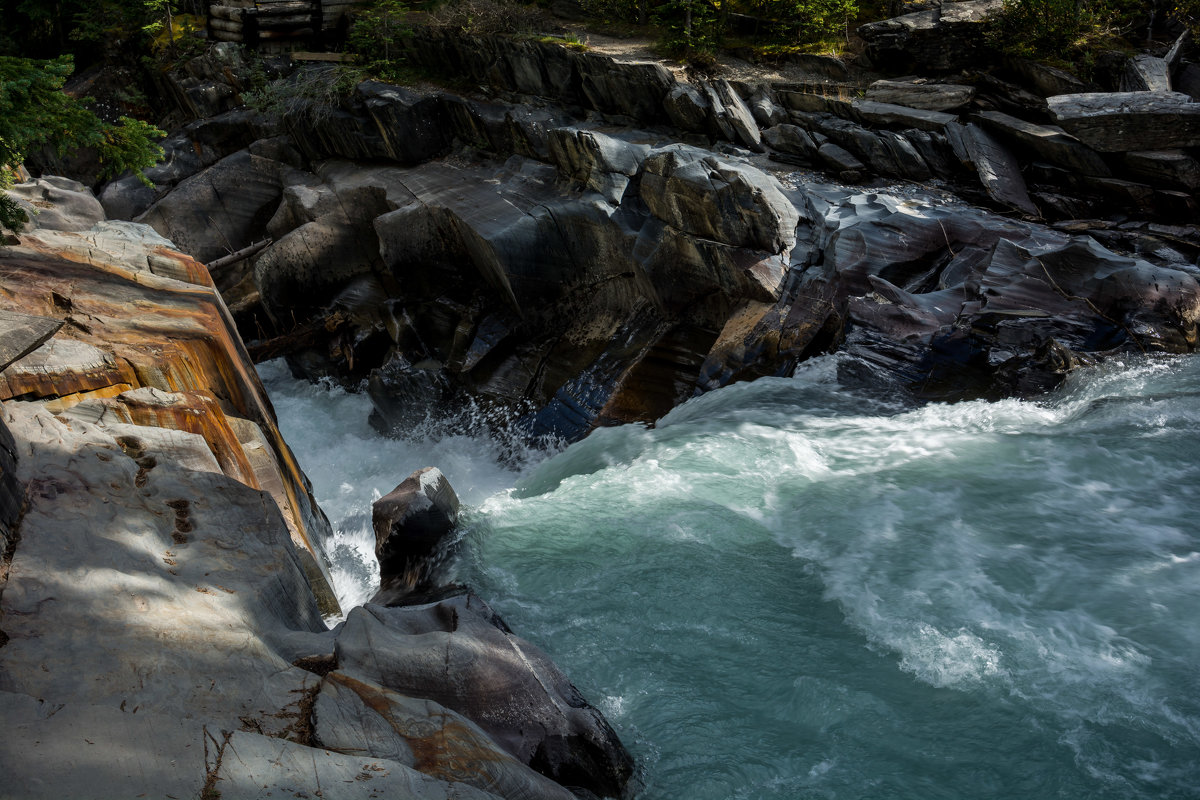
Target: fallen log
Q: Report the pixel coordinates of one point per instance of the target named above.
(238, 255)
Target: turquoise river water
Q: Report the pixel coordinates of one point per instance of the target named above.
(789, 590)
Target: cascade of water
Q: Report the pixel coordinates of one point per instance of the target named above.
(786, 589)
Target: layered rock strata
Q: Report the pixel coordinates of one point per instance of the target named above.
(162, 579)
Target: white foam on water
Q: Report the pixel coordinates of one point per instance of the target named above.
(1028, 565)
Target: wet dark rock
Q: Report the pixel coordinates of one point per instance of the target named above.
(996, 167)
(458, 653)
(946, 38)
(956, 304)
(413, 524)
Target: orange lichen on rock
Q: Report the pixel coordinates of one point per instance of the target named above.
(139, 315)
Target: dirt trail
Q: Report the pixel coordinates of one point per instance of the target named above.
(641, 48)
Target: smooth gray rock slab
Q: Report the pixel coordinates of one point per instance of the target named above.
(255, 766)
(57, 204)
(20, 334)
(1112, 122)
(175, 588)
(52, 750)
(1146, 73)
(926, 96)
(879, 114)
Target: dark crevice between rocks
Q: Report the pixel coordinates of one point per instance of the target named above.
(303, 729)
(212, 763)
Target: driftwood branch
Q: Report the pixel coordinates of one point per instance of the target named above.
(308, 334)
(238, 255)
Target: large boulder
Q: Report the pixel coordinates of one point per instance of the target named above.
(360, 718)
(221, 209)
(696, 193)
(413, 525)
(459, 654)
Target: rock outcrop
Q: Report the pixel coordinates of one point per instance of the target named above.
(576, 275)
(162, 579)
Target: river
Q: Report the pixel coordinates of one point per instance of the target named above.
(789, 589)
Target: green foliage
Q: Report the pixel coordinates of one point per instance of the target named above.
(571, 41)
(377, 38)
(313, 92)
(34, 113)
(1039, 28)
(1070, 31)
(484, 17)
(690, 27)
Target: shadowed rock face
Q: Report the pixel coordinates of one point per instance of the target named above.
(591, 277)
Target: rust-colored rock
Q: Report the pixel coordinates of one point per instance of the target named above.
(137, 314)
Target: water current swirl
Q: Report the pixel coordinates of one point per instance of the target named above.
(787, 589)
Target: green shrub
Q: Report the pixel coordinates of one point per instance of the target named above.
(483, 17)
(377, 38)
(35, 113)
